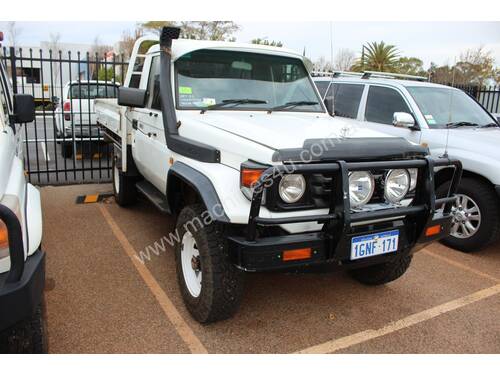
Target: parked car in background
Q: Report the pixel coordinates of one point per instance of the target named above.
(234, 140)
(22, 261)
(445, 119)
(75, 115)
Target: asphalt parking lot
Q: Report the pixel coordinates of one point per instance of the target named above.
(102, 299)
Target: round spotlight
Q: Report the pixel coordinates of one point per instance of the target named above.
(361, 187)
(397, 185)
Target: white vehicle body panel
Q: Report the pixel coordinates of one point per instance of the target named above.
(15, 191)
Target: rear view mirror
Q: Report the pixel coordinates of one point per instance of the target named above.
(24, 108)
(131, 97)
(329, 105)
(403, 120)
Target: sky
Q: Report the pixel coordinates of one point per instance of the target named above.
(440, 42)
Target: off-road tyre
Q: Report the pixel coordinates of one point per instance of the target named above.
(487, 200)
(222, 283)
(124, 188)
(383, 273)
(28, 336)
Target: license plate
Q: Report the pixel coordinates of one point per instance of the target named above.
(374, 244)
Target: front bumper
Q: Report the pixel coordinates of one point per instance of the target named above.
(19, 300)
(333, 243)
(21, 288)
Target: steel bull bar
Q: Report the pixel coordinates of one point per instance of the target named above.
(332, 243)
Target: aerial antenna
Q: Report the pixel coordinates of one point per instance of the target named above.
(331, 45)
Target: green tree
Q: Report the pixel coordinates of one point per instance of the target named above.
(107, 75)
(378, 56)
(410, 65)
(266, 42)
(201, 30)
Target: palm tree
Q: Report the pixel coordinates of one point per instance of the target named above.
(380, 57)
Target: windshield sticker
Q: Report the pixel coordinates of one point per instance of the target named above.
(185, 90)
(208, 101)
(430, 119)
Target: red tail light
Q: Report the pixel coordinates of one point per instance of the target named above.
(67, 110)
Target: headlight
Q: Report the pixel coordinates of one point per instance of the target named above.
(361, 187)
(413, 178)
(397, 184)
(292, 188)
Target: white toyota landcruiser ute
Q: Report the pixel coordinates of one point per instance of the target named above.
(22, 261)
(234, 140)
(445, 119)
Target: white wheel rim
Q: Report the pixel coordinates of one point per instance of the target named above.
(116, 175)
(466, 217)
(191, 266)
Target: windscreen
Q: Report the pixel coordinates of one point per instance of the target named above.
(441, 106)
(208, 77)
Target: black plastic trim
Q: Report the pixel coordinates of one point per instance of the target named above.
(200, 183)
(18, 300)
(497, 189)
(351, 149)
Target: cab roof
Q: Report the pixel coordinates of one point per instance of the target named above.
(180, 47)
(382, 81)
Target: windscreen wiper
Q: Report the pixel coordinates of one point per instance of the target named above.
(233, 101)
(291, 105)
(460, 124)
(490, 125)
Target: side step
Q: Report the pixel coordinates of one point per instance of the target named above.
(154, 195)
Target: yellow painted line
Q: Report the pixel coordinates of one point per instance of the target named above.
(361, 337)
(461, 265)
(180, 325)
(91, 198)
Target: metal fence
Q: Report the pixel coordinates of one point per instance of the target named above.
(64, 144)
(487, 96)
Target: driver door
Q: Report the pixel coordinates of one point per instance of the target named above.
(380, 105)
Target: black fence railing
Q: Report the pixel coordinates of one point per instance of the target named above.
(487, 96)
(64, 144)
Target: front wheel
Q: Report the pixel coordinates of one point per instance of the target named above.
(383, 273)
(476, 215)
(210, 284)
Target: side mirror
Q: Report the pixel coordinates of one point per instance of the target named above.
(329, 105)
(131, 97)
(24, 108)
(403, 120)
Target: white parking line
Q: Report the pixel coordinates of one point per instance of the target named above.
(361, 337)
(46, 154)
